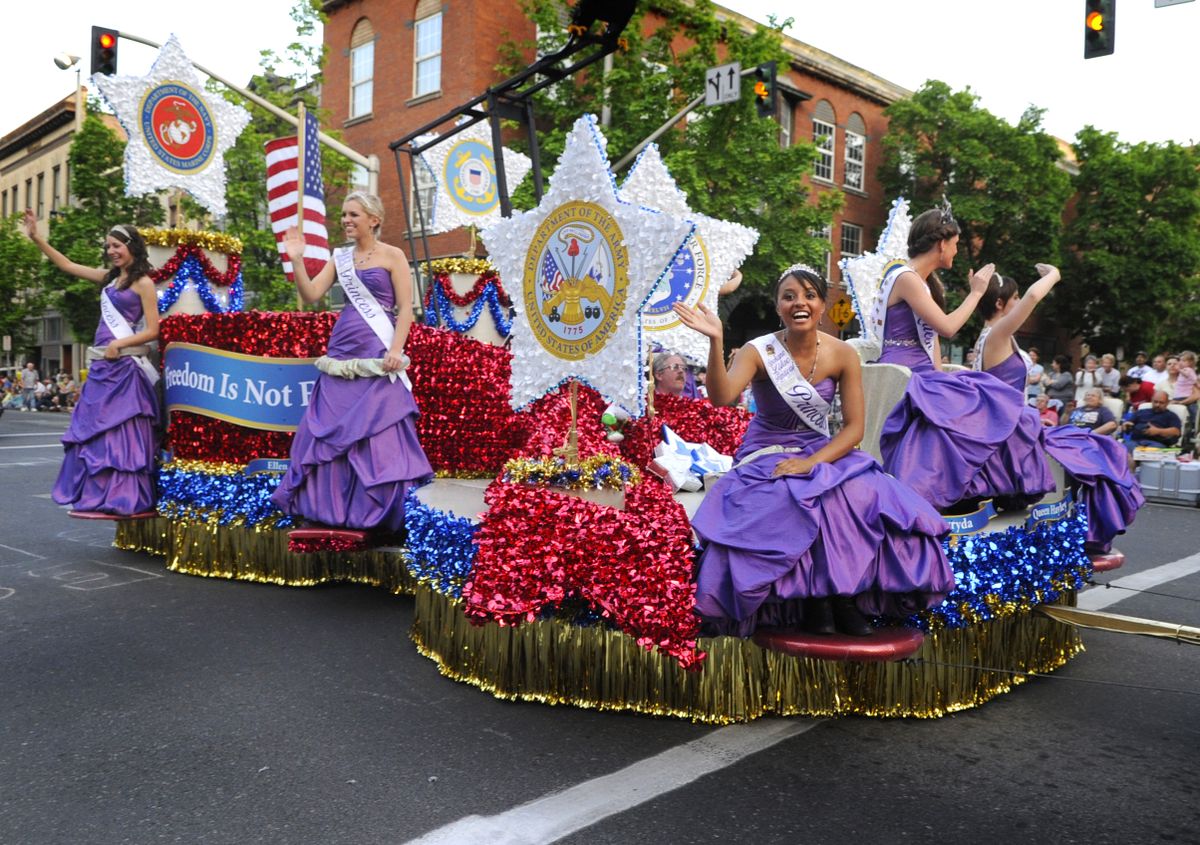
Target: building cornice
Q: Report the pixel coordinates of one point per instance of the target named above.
(60, 114)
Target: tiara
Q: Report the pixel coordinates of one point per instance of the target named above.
(947, 212)
(799, 268)
(123, 231)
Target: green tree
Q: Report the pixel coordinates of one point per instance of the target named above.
(1006, 183)
(726, 159)
(1133, 249)
(98, 186)
(20, 283)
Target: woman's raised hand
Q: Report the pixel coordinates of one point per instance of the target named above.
(700, 319)
(29, 223)
(293, 244)
(981, 277)
(1045, 270)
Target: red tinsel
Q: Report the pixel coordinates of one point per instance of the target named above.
(695, 420)
(488, 277)
(211, 273)
(538, 547)
(326, 544)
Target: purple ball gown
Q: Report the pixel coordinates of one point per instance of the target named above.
(844, 529)
(957, 435)
(110, 446)
(356, 454)
(1098, 466)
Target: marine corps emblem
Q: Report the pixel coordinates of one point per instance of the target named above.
(177, 127)
(576, 275)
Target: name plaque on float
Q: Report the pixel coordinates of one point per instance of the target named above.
(1050, 511)
(254, 391)
(262, 466)
(971, 523)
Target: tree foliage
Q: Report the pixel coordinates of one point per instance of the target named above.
(20, 283)
(1133, 247)
(1006, 183)
(726, 159)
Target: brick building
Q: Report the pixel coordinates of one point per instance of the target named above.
(394, 65)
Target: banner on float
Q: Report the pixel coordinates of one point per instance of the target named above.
(1050, 511)
(971, 523)
(249, 390)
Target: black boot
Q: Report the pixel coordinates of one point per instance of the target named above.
(818, 616)
(848, 619)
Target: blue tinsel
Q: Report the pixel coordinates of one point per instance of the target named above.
(441, 548)
(191, 272)
(241, 498)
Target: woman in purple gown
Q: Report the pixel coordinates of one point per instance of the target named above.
(1096, 464)
(108, 465)
(805, 528)
(356, 454)
(955, 437)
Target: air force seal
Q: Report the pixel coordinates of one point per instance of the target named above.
(576, 275)
(470, 175)
(177, 127)
(687, 282)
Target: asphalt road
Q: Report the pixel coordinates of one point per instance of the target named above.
(142, 706)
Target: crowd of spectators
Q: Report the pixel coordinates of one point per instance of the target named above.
(27, 390)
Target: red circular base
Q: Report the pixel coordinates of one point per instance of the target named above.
(304, 540)
(883, 645)
(111, 516)
(1105, 561)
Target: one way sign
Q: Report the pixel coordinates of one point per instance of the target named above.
(722, 84)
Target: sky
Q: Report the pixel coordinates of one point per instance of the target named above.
(1011, 53)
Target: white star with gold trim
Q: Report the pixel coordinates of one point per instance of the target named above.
(178, 132)
(715, 250)
(463, 168)
(585, 262)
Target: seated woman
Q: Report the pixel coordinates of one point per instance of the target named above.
(1095, 462)
(356, 454)
(954, 438)
(1047, 414)
(805, 528)
(1091, 415)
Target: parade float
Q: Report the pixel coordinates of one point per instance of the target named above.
(548, 562)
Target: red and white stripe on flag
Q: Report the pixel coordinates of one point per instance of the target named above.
(283, 182)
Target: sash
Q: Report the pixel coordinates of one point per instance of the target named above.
(925, 333)
(978, 365)
(359, 297)
(120, 328)
(800, 396)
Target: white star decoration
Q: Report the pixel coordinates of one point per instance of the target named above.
(464, 170)
(717, 248)
(585, 262)
(178, 133)
(864, 273)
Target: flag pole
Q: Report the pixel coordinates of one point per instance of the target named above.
(301, 141)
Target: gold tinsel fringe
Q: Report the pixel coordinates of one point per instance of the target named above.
(554, 662)
(212, 241)
(250, 554)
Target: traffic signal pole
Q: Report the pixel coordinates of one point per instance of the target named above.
(370, 162)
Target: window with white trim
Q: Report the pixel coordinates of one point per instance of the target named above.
(427, 54)
(825, 233)
(852, 239)
(787, 122)
(824, 137)
(362, 69)
(856, 153)
(424, 186)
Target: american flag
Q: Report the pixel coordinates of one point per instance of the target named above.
(282, 157)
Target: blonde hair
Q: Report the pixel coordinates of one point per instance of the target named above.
(370, 203)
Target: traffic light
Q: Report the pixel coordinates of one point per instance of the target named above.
(1099, 32)
(764, 89)
(104, 50)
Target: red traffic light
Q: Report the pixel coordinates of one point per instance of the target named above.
(104, 50)
(107, 40)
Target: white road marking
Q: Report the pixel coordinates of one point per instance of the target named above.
(36, 446)
(560, 814)
(31, 434)
(1098, 598)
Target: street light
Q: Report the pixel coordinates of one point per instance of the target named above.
(69, 60)
(66, 60)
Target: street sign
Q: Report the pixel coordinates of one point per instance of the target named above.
(8, 343)
(723, 84)
(841, 312)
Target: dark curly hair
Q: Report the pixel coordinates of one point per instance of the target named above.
(140, 265)
(803, 275)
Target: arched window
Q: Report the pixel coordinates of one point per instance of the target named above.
(824, 127)
(427, 48)
(856, 153)
(362, 68)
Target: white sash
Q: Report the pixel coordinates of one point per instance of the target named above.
(978, 365)
(925, 333)
(120, 328)
(800, 396)
(359, 297)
